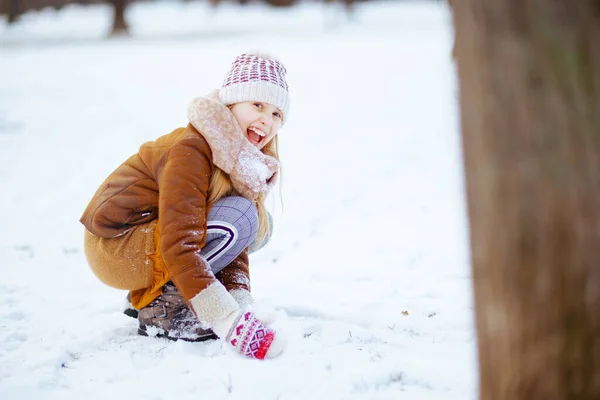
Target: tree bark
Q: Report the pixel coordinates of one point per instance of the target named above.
(119, 25)
(13, 11)
(529, 74)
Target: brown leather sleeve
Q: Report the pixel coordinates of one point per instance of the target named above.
(112, 211)
(236, 275)
(183, 186)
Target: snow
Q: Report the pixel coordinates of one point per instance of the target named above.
(252, 164)
(368, 267)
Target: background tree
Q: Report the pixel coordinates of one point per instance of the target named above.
(529, 75)
(119, 25)
(13, 10)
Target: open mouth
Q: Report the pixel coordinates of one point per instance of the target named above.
(255, 135)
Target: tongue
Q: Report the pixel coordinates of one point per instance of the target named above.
(253, 136)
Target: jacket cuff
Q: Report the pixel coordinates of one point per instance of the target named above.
(213, 304)
(242, 296)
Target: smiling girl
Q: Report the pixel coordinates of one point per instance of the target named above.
(175, 222)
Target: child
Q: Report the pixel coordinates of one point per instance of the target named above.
(173, 223)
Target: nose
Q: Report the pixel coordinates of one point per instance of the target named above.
(266, 121)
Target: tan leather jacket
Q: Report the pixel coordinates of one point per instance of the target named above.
(167, 178)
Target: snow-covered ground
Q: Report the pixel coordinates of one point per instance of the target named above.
(368, 265)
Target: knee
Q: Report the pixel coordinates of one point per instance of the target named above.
(252, 215)
(237, 211)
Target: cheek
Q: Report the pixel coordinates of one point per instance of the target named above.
(242, 117)
(243, 122)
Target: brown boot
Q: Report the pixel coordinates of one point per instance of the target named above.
(169, 316)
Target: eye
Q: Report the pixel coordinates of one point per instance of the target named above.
(277, 114)
(258, 105)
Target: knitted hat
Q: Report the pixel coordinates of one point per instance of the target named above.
(256, 77)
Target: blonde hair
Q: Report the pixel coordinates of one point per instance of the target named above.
(221, 186)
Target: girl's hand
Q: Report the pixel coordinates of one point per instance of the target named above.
(249, 336)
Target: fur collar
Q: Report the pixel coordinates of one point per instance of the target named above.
(251, 171)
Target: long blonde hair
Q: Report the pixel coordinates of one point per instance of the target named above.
(221, 186)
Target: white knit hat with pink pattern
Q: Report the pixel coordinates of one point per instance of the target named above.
(256, 77)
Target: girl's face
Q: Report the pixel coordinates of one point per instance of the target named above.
(259, 121)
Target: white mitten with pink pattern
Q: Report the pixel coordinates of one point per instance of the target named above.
(266, 314)
(249, 336)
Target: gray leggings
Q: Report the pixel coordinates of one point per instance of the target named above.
(231, 227)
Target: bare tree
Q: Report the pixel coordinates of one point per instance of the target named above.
(348, 5)
(529, 75)
(13, 11)
(119, 25)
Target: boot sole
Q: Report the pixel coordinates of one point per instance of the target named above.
(131, 312)
(204, 338)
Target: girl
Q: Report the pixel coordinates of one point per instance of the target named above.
(173, 223)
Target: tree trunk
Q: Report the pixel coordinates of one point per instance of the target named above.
(119, 25)
(13, 11)
(529, 75)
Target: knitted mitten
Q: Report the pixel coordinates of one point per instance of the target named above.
(249, 336)
(244, 299)
(242, 296)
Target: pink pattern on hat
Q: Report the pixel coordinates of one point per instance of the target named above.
(250, 68)
(256, 77)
